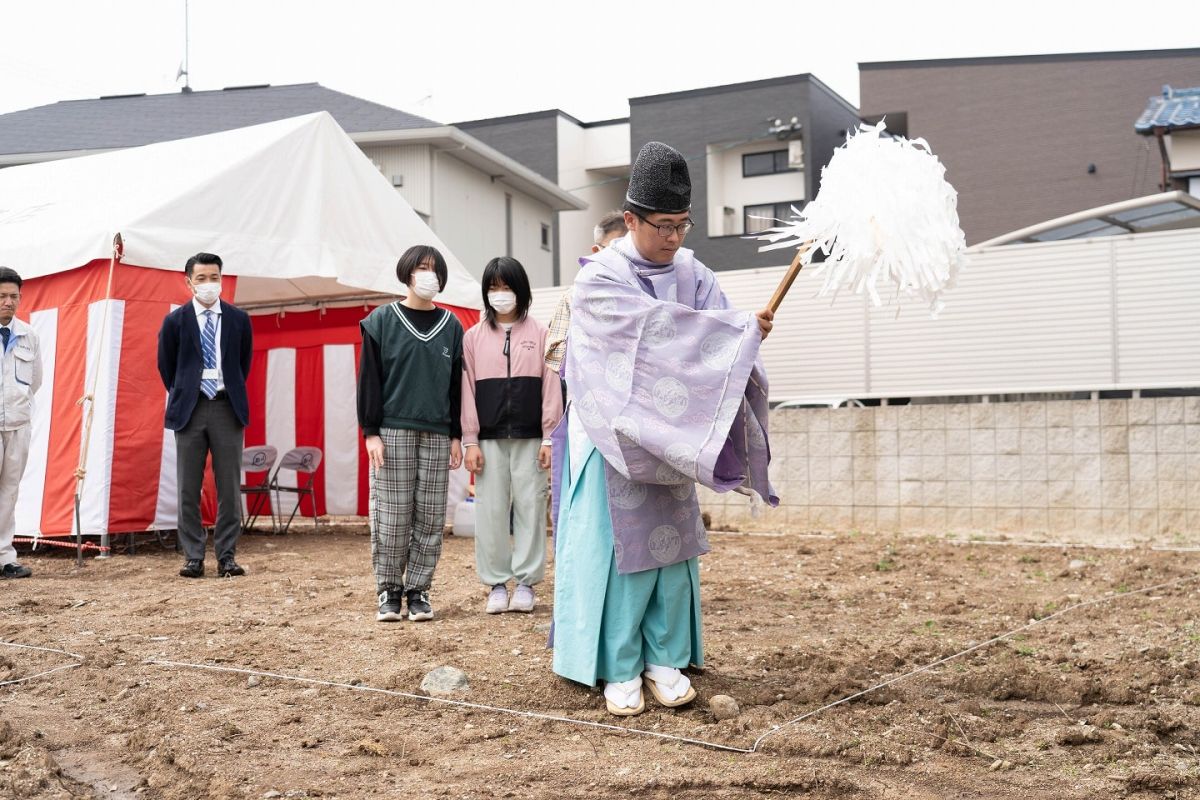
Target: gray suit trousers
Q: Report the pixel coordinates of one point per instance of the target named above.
(213, 428)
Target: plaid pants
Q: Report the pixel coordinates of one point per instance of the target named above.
(408, 508)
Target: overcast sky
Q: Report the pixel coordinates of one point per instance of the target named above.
(454, 61)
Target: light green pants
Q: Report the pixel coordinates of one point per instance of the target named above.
(608, 626)
(511, 478)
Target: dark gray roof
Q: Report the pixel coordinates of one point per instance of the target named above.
(132, 120)
(1173, 109)
(1038, 58)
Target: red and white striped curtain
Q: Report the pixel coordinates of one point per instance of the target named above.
(302, 392)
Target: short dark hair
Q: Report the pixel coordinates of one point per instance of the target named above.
(635, 209)
(9, 275)
(412, 259)
(610, 223)
(508, 271)
(202, 258)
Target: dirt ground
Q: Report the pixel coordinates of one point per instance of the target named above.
(1097, 702)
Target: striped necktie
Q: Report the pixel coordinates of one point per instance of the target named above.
(208, 348)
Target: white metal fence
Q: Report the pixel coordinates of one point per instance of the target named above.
(1119, 312)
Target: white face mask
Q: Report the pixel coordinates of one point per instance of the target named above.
(425, 284)
(208, 293)
(502, 302)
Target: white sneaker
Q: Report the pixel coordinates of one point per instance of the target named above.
(523, 599)
(497, 602)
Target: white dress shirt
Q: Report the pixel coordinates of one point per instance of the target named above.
(201, 320)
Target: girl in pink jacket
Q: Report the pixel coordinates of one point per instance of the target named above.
(510, 404)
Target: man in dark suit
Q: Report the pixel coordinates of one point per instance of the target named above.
(204, 351)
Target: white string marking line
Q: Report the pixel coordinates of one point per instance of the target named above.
(775, 729)
(78, 661)
(459, 703)
(641, 731)
(40, 674)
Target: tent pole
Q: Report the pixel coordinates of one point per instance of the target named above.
(319, 301)
(88, 404)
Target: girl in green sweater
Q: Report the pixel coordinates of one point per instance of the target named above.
(409, 385)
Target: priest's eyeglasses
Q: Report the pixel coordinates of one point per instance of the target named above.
(665, 230)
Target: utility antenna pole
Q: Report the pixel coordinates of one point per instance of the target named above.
(185, 66)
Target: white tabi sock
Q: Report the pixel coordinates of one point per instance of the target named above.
(626, 694)
(672, 683)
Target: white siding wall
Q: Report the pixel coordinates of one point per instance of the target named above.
(411, 162)
(1024, 318)
(469, 216)
(607, 147)
(581, 153)
(468, 212)
(1184, 150)
(528, 218)
(728, 189)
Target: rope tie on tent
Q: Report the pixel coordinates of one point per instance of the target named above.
(88, 403)
(80, 472)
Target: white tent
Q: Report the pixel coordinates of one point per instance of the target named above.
(300, 216)
(293, 200)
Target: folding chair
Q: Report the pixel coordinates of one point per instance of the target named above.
(302, 461)
(256, 460)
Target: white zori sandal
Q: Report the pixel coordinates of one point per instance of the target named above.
(625, 699)
(669, 686)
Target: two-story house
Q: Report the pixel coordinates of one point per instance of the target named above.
(480, 202)
(755, 150)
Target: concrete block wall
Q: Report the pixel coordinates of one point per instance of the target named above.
(1101, 471)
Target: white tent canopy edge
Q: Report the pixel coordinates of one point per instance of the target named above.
(293, 207)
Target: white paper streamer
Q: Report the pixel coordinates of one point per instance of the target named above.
(884, 215)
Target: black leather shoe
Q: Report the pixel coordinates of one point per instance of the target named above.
(230, 569)
(193, 568)
(15, 570)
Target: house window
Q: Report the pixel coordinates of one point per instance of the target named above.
(545, 236)
(757, 219)
(769, 163)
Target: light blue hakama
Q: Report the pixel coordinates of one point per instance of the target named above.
(607, 626)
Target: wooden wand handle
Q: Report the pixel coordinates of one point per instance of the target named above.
(788, 279)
